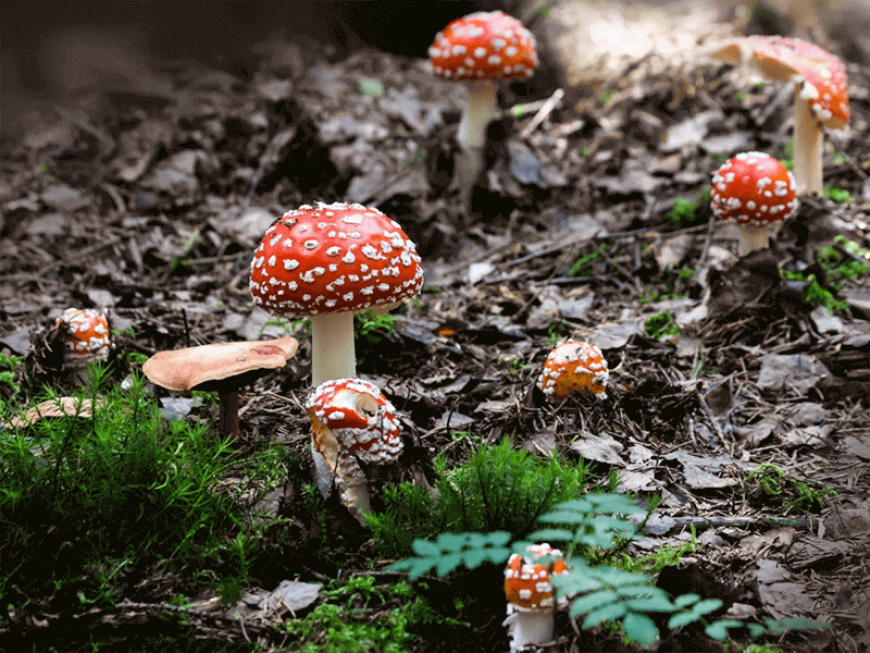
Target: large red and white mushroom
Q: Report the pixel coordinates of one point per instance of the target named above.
(756, 192)
(328, 262)
(352, 421)
(574, 366)
(531, 599)
(481, 48)
(820, 94)
(89, 338)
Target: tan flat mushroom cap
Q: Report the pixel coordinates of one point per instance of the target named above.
(188, 368)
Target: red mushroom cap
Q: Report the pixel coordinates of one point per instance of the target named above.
(332, 258)
(527, 583)
(574, 366)
(89, 333)
(754, 189)
(484, 45)
(821, 74)
(361, 418)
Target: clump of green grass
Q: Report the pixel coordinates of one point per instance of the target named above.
(687, 209)
(838, 195)
(661, 325)
(668, 285)
(839, 267)
(83, 500)
(499, 488)
(582, 267)
(770, 486)
(373, 326)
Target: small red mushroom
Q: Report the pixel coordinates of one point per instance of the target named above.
(755, 191)
(89, 337)
(351, 420)
(481, 48)
(574, 366)
(530, 595)
(821, 98)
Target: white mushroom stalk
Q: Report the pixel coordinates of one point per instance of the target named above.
(333, 355)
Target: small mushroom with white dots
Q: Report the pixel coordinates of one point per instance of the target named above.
(756, 192)
(89, 338)
(352, 421)
(531, 599)
(481, 49)
(574, 366)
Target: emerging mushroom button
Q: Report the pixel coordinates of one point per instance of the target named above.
(753, 189)
(484, 45)
(89, 334)
(361, 418)
(574, 366)
(333, 258)
(352, 421)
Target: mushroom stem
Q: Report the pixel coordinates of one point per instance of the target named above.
(479, 110)
(228, 420)
(529, 627)
(332, 347)
(332, 357)
(808, 147)
(753, 238)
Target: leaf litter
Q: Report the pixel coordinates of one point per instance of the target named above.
(152, 209)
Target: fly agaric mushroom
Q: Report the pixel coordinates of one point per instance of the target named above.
(574, 366)
(531, 600)
(330, 261)
(221, 368)
(755, 191)
(89, 337)
(481, 48)
(820, 94)
(352, 421)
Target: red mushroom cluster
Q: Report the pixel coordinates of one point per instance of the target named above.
(755, 191)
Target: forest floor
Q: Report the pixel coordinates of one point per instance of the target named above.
(593, 222)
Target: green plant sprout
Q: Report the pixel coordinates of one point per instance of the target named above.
(787, 157)
(8, 367)
(661, 325)
(673, 284)
(769, 484)
(686, 210)
(582, 267)
(837, 194)
(373, 326)
(839, 268)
